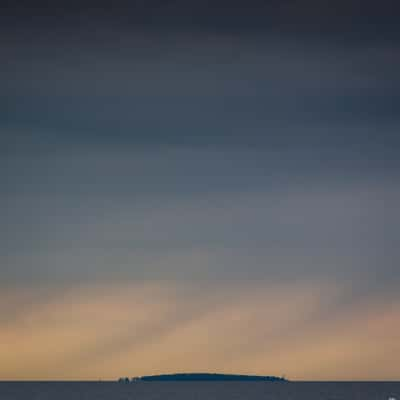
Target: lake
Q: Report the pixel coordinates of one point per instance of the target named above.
(199, 390)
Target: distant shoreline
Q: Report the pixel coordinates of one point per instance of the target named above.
(203, 377)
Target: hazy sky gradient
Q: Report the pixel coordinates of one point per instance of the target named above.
(199, 187)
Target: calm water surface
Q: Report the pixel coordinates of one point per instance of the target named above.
(199, 390)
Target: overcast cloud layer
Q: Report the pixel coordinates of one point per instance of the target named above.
(157, 154)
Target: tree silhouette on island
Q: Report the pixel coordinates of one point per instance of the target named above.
(203, 377)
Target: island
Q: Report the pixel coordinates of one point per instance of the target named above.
(203, 377)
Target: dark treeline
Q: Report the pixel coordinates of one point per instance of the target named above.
(204, 377)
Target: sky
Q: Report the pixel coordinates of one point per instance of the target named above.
(204, 186)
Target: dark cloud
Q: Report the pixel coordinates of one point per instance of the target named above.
(195, 214)
(340, 19)
(155, 91)
(191, 108)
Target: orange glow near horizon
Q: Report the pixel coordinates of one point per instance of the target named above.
(103, 332)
